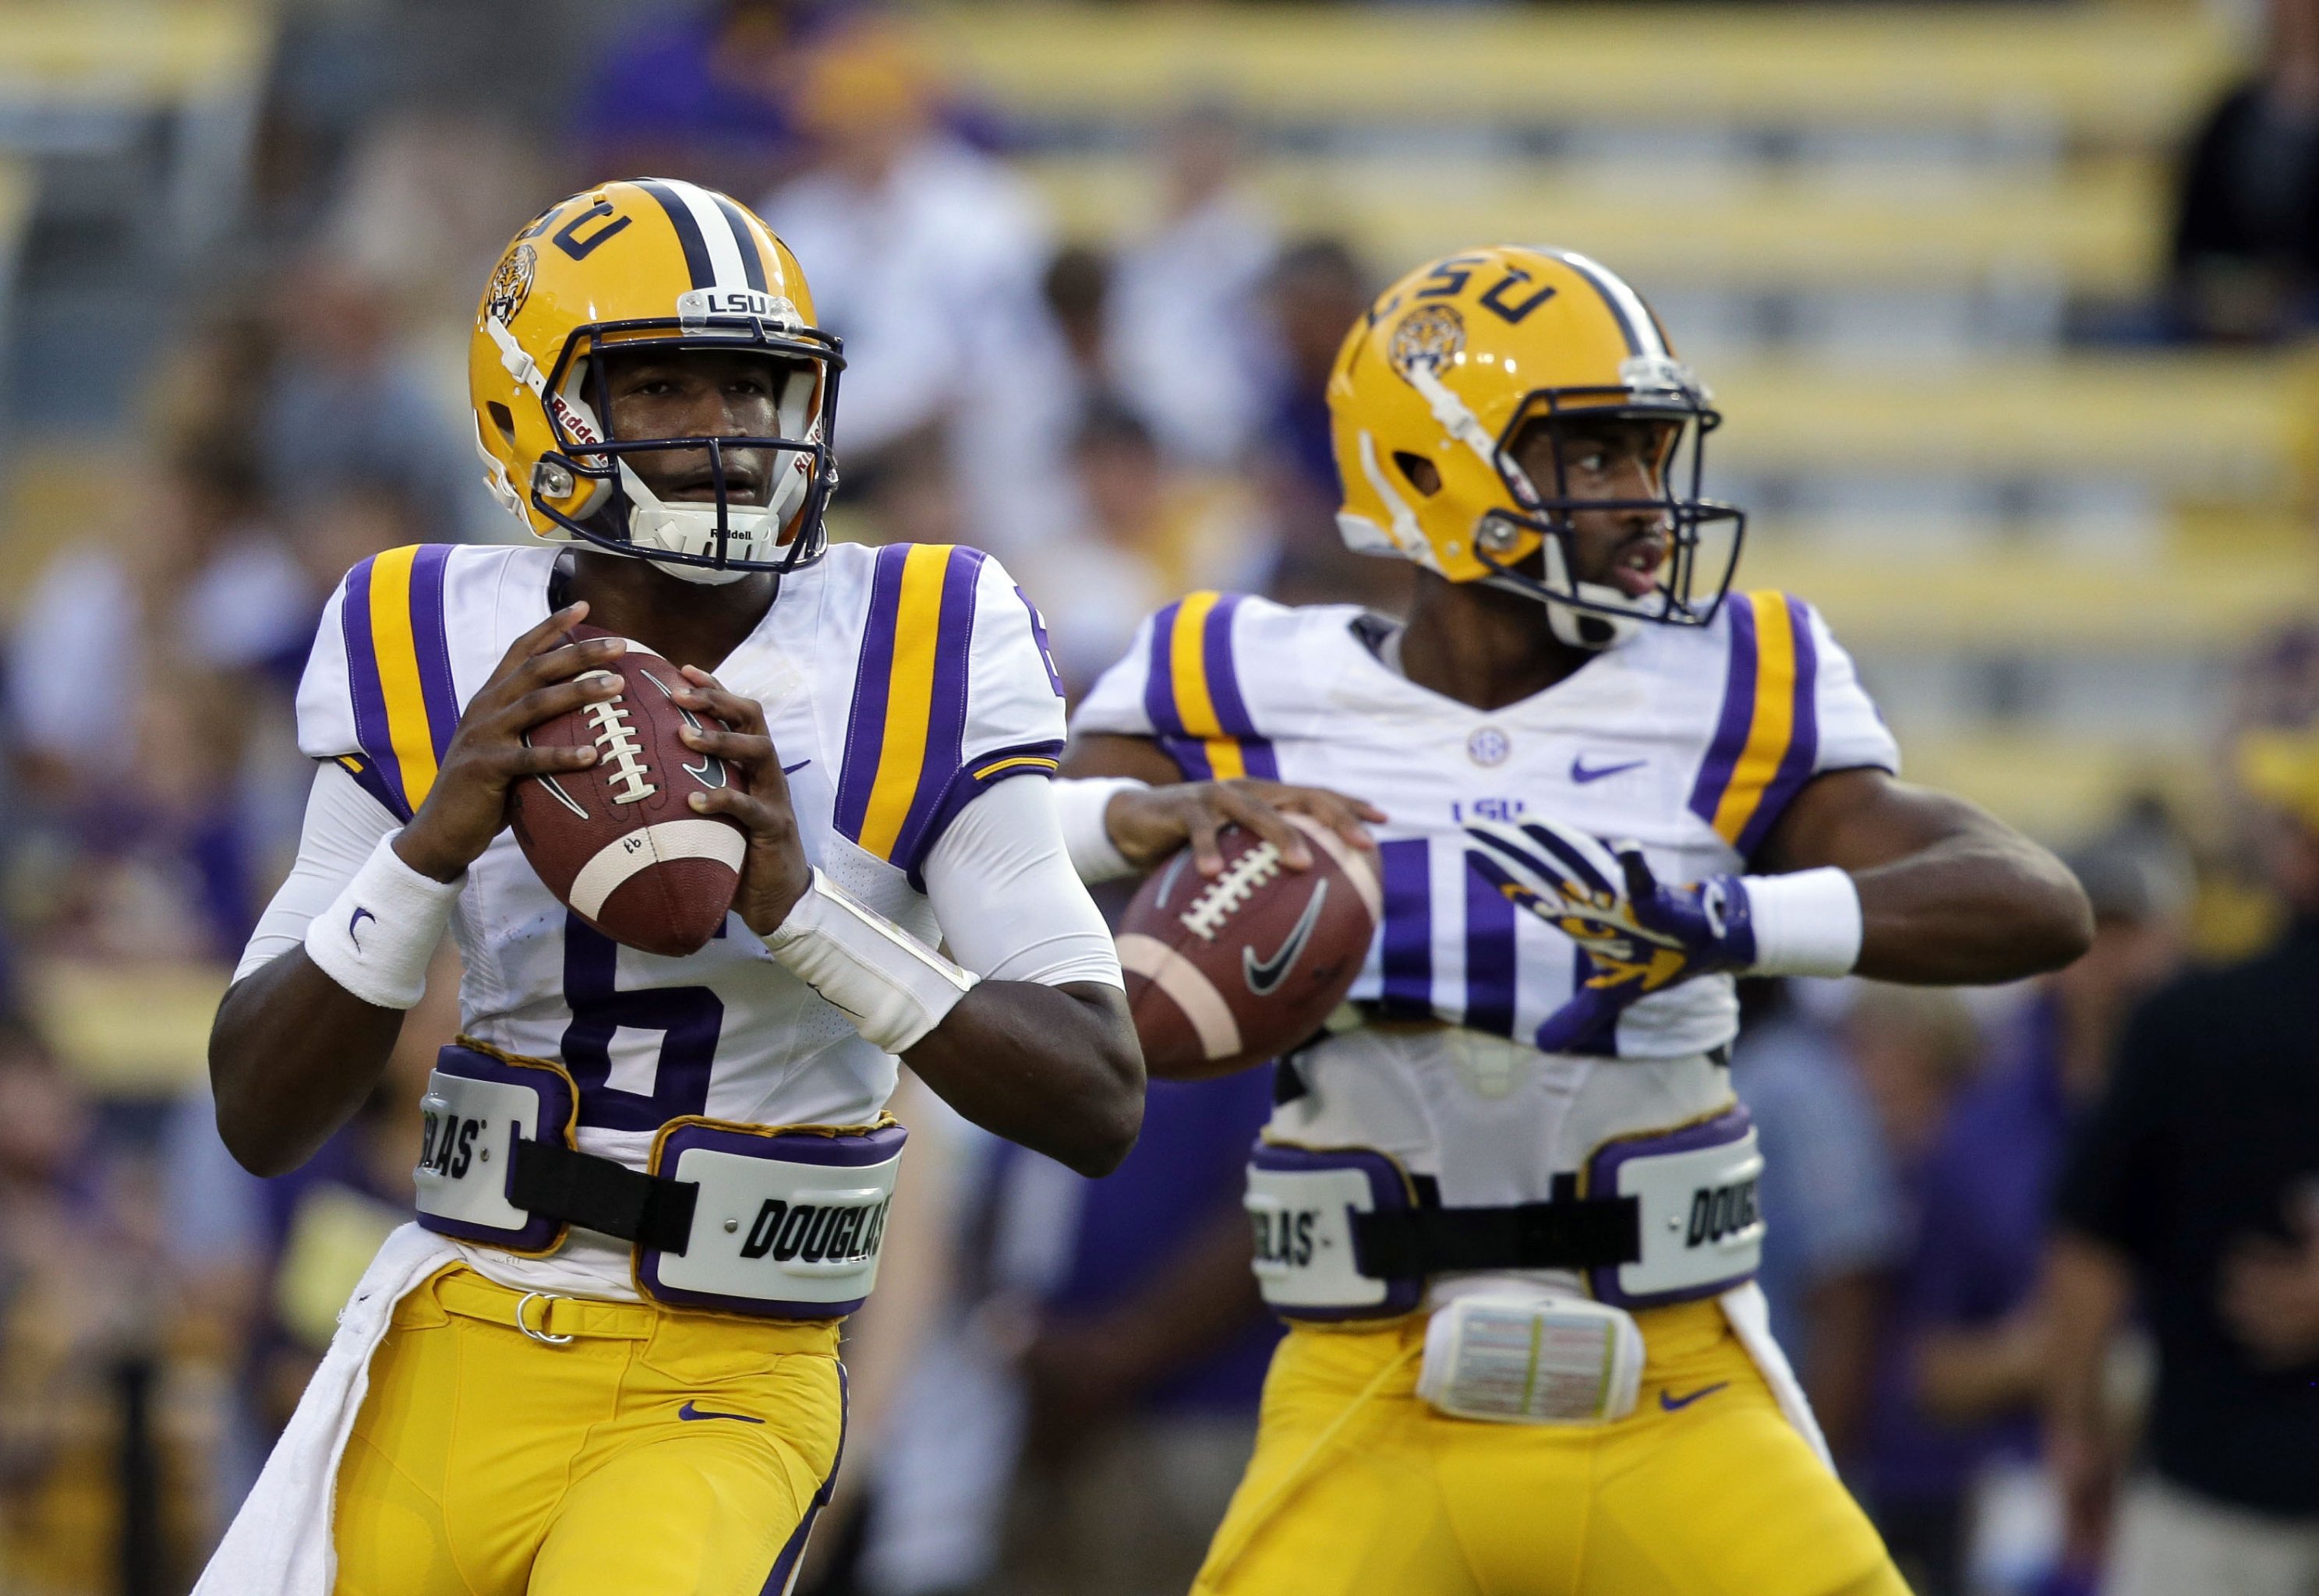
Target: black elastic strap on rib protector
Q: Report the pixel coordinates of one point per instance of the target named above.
(1571, 1234)
(600, 1195)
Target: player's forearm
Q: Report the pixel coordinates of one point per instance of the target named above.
(1949, 894)
(1973, 909)
(1056, 1068)
(293, 1054)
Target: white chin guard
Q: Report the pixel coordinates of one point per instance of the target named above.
(754, 531)
(1582, 628)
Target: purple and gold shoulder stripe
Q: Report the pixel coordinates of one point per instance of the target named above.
(1192, 693)
(399, 672)
(904, 773)
(1766, 739)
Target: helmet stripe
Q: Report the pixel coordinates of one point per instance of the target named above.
(687, 230)
(724, 256)
(753, 260)
(1634, 317)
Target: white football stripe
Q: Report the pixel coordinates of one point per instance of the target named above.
(670, 840)
(1354, 861)
(1194, 993)
(724, 249)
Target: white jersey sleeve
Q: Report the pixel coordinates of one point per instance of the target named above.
(1185, 682)
(341, 831)
(386, 682)
(953, 694)
(1792, 707)
(1010, 906)
(1852, 732)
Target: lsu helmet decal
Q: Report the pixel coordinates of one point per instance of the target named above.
(651, 264)
(1453, 365)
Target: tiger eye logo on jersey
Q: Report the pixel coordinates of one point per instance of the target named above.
(511, 286)
(1431, 336)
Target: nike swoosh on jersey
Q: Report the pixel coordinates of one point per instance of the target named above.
(1671, 1404)
(791, 770)
(1266, 974)
(1581, 772)
(690, 1412)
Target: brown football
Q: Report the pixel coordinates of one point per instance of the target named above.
(1239, 966)
(619, 843)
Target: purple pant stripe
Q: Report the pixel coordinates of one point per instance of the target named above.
(1406, 951)
(865, 725)
(1739, 711)
(1489, 958)
(784, 1569)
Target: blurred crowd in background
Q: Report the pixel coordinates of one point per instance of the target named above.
(1056, 1387)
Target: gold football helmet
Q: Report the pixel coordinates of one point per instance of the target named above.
(651, 264)
(1453, 365)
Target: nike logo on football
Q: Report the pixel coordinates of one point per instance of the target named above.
(1581, 772)
(1671, 1404)
(355, 919)
(1265, 974)
(690, 1412)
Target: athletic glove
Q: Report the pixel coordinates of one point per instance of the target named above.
(1636, 935)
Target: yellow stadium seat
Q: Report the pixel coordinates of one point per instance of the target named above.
(2055, 602)
(123, 53)
(2201, 426)
(2096, 229)
(2104, 75)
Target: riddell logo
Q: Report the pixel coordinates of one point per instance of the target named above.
(572, 420)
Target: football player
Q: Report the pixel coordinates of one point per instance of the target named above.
(1507, 1202)
(603, 1360)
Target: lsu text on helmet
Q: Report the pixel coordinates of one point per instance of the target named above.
(1453, 365)
(657, 264)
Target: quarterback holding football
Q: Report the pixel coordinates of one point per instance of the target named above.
(1506, 1198)
(657, 1165)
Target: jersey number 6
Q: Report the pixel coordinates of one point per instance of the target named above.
(688, 1019)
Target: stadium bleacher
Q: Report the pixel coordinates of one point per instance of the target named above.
(1872, 229)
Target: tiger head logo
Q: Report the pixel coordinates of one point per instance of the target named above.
(1429, 337)
(510, 284)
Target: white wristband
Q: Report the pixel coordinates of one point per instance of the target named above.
(893, 986)
(377, 939)
(1081, 806)
(1806, 925)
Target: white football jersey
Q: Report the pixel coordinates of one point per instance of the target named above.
(1690, 742)
(897, 683)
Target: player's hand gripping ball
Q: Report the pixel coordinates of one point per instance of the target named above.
(1239, 967)
(1638, 935)
(619, 842)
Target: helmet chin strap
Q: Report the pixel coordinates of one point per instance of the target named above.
(1571, 624)
(658, 525)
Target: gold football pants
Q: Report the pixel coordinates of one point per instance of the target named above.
(655, 1454)
(1704, 1490)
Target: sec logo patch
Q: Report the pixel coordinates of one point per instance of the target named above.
(1488, 747)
